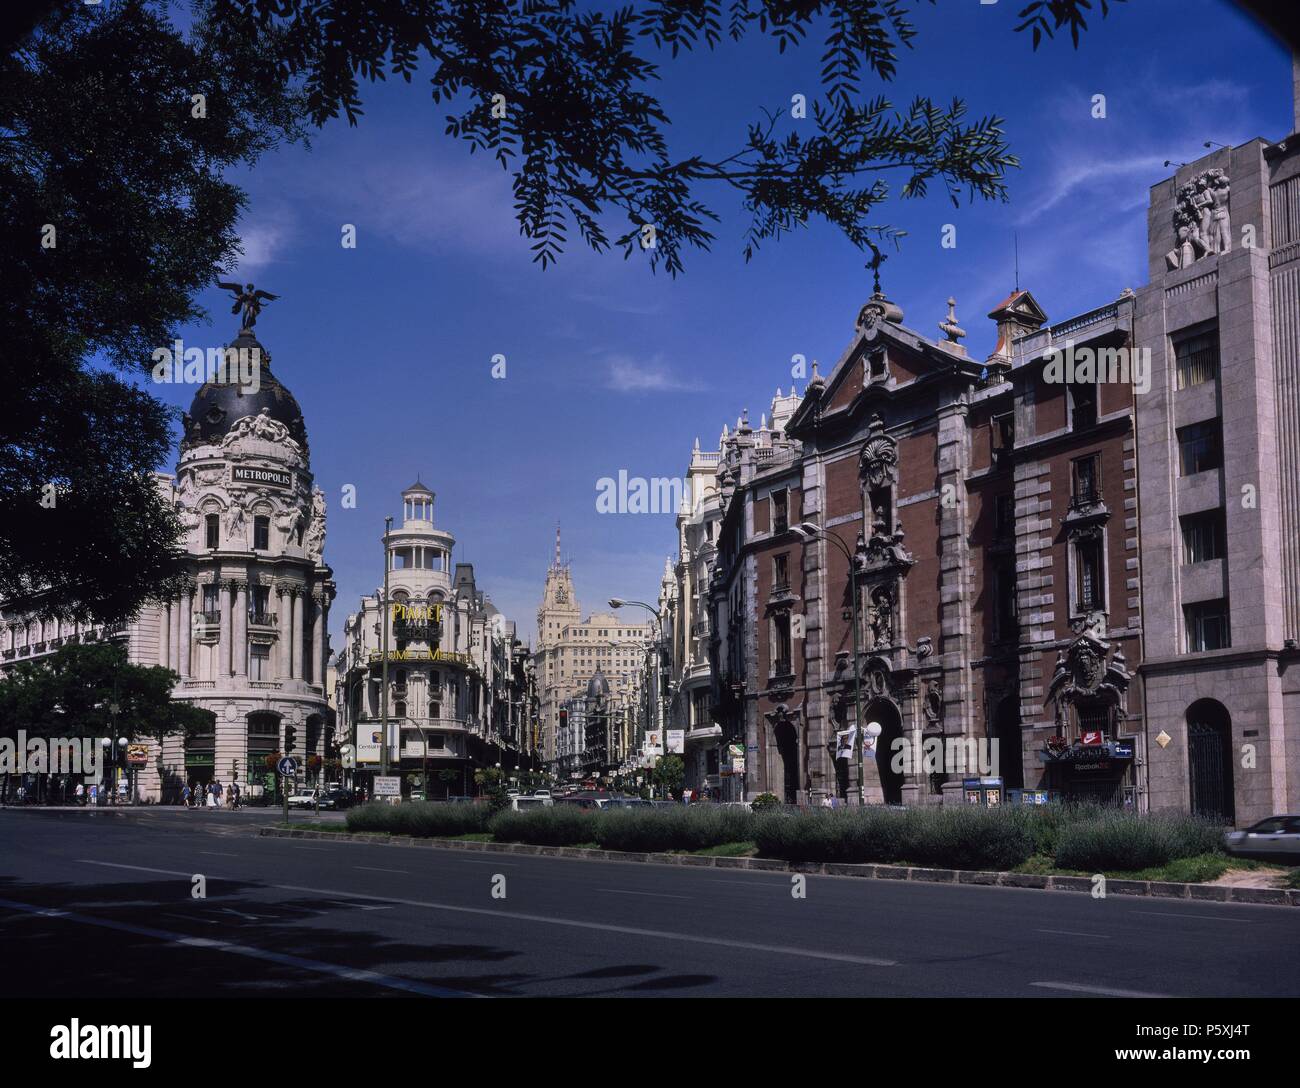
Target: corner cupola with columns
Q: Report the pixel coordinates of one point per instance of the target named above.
(247, 634)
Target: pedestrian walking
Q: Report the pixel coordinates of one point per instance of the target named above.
(212, 794)
(80, 793)
(218, 792)
(234, 795)
(185, 795)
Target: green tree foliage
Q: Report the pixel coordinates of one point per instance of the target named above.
(71, 693)
(669, 774)
(559, 94)
(117, 213)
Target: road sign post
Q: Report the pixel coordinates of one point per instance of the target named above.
(288, 768)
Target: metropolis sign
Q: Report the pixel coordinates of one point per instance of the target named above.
(267, 476)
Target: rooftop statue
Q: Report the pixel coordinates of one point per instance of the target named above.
(249, 300)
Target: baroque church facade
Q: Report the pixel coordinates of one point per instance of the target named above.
(1097, 568)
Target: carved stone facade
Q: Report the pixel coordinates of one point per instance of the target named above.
(247, 634)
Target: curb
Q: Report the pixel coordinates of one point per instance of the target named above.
(1156, 889)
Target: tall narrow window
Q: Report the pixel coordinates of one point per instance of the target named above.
(1083, 406)
(212, 528)
(259, 661)
(780, 510)
(1086, 480)
(781, 656)
(1006, 624)
(1004, 518)
(1200, 447)
(780, 575)
(261, 533)
(1090, 595)
(1203, 536)
(1197, 359)
(1207, 626)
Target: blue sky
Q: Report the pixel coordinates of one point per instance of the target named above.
(388, 347)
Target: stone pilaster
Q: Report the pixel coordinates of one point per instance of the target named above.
(239, 652)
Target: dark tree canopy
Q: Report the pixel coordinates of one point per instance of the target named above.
(117, 213)
(72, 693)
(560, 96)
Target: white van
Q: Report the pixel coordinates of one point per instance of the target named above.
(520, 804)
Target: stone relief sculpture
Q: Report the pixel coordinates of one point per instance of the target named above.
(290, 523)
(881, 617)
(235, 522)
(261, 426)
(1202, 224)
(878, 462)
(190, 521)
(316, 534)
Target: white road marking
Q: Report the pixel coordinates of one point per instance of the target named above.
(1180, 914)
(1076, 933)
(352, 974)
(1104, 991)
(573, 923)
(657, 895)
(372, 869)
(218, 854)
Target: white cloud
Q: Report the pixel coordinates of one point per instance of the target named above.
(263, 244)
(626, 375)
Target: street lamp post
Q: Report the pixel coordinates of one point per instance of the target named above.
(383, 683)
(619, 602)
(807, 532)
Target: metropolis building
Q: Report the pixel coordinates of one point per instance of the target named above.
(247, 634)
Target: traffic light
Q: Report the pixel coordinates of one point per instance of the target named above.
(290, 738)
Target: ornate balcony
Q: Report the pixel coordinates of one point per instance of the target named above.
(260, 619)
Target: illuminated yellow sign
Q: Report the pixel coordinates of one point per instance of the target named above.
(417, 613)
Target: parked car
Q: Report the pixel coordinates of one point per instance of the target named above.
(521, 804)
(541, 793)
(302, 799)
(625, 802)
(1275, 839)
(335, 798)
(578, 802)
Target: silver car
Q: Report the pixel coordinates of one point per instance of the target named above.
(1275, 839)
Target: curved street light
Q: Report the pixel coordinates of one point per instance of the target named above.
(619, 602)
(808, 532)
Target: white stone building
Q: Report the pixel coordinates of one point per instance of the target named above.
(460, 682)
(247, 634)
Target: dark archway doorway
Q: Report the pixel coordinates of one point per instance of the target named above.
(1006, 731)
(787, 746)
(886, 715)
(1209, 761)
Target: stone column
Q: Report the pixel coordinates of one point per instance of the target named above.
(240, 651)
(187, 630)
(164, 632)
(295, 639)
(223, 645)
(317, 639)
(174, 634)
(324, 654)
(283, 614)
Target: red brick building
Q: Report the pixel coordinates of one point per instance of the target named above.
(989, 509)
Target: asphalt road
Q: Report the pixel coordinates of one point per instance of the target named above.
(102, 905)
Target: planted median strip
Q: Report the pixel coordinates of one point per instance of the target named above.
(1055, 848)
